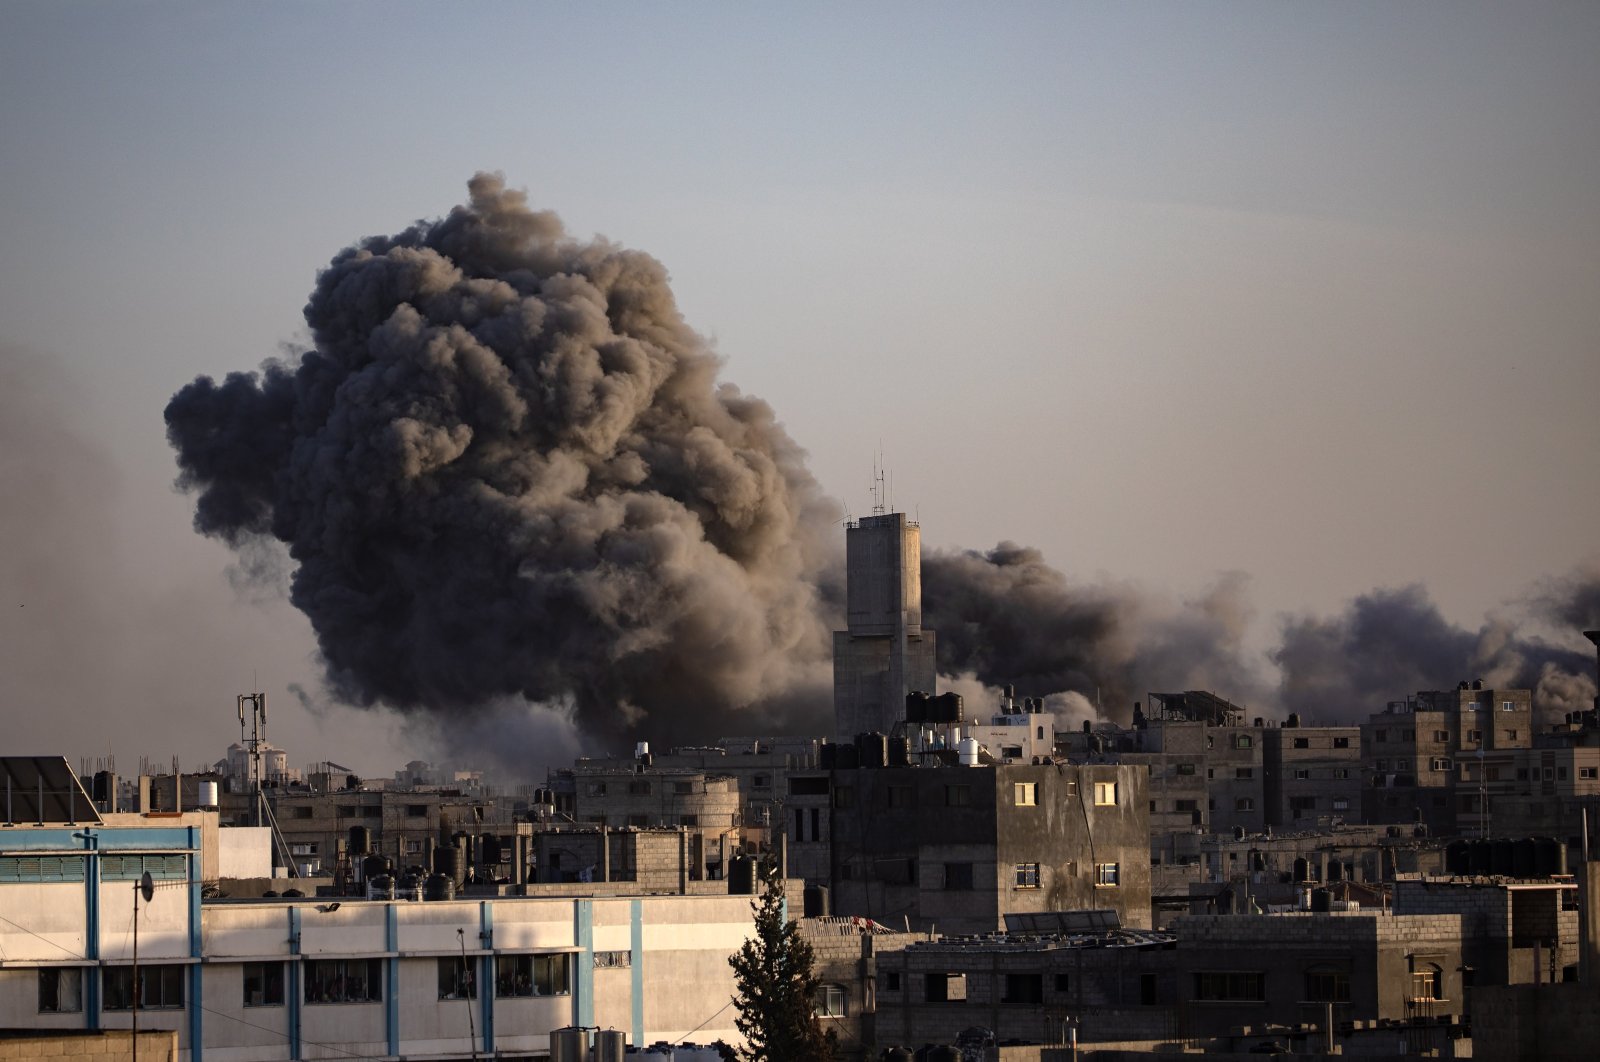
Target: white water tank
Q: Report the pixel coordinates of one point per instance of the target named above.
(208, 794)
(967, 752)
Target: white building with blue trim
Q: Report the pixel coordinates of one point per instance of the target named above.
(277, 979)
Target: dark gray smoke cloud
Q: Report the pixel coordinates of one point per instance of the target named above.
(506, 467)
(1391, 643)
(1005, 615)
(506, 470)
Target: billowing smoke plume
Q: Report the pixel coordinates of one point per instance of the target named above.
(1390, 643)
(506, 468)
(1006, 616)
(505, 474)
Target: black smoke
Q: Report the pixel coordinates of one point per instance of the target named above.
(1007, 616)
(505, 473)
(1391, 643)
(506, 468)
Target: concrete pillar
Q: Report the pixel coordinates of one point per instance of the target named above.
(1589, 946)
(683, 861)
(605, 852)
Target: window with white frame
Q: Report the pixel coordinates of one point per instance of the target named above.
(1107, 874)
(1105, 794)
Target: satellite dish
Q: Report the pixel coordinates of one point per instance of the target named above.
(147, 887)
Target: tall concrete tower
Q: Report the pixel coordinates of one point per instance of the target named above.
(885, 653)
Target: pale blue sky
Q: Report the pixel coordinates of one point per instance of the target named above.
(1304, 290)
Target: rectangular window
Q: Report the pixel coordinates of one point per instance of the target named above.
(945, 988)
(901, 796)
(1302, 773)
(1474, 735)
(303, 848)
(1185, 769)
(958, 876)
(1244, 804)
(682, 788)
(1302, 743)
(1341, 742)
(1440, 763)
(160, 987)
(613, 960)
(1244, 772)
(1341, 772)
(1588, 772)
(808, 787)
(346, 811)
(1026, 794)
(47, 868)
(891, 980)
(1441, 735)
(1023, 989)
(520, 976)
(1105, 794)
(1185, 805)
(1508, 706)
(957, 796)
(1380, 735)
(456, 980)
(302, 812)
(1231, 986)
(844, 796)
(1511, 735)
(1243, 741)
(761, 781)
(1107, 874)
(1063, 982)
(830, 1001)
(263, 984)
(1324, 984)
(639, 788)
(1341, 804)
(344, 981)
(416, 811)
(1027, 876)
(60, 990)
(596, 789)
(1302, 805)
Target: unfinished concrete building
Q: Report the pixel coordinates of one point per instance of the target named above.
(884, 653)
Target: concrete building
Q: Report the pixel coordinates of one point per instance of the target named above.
(884, 653)
(708, 807)
(1312, 774)
(1443, 758)
(284, 979)
(961, 847)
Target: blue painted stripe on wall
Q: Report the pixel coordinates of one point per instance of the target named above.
(636, 942)
(295, 991)
(583, 998)
(91, 883)
(111, 838)
(197, 1029)
(486, 972)
(391, 998)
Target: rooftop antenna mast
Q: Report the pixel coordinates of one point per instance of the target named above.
(252, 743)
(880, 490)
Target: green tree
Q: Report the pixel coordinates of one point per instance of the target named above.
(776, 987)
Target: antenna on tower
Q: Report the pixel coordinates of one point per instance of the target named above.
(879, 489)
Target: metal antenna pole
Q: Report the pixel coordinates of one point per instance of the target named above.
(469, 984)
(136, 972)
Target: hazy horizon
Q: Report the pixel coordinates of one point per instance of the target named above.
(1168, 293)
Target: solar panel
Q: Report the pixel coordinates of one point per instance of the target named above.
(41, 790)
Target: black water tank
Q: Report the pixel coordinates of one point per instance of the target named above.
(447, 861)
(1504, 857)
(374, 865)
(1481, 860)
(897, 1054)
(360, 840)
(1458, 858)
(816, 901)
(1335, 871)
(946, 708)
(741, 876)
(917, 707)
(1550, 856)
(899, 752)
(1293, 720)
(847, 758)
(1302, 869)
(873, 749)
(1321, 900)
(827, 755)
(491, 851)
(1524, 857)
(1238, 833)
(439, 887)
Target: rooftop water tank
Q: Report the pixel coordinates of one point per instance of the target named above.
(967, 752)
